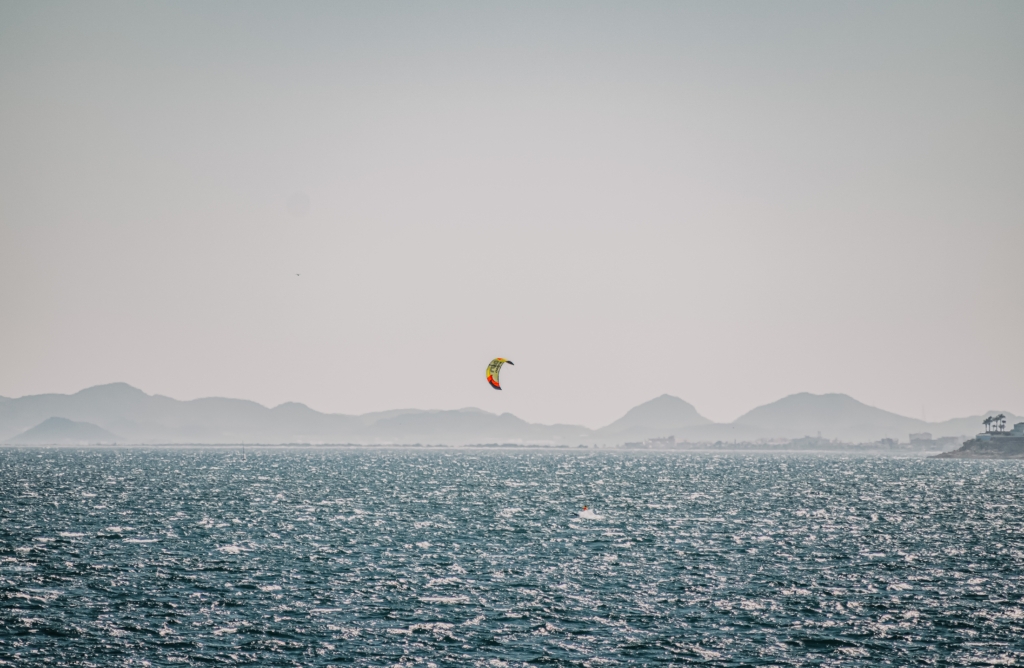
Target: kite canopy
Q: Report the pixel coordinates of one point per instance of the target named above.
(492, 371)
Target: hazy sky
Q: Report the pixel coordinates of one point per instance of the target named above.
(729, 202)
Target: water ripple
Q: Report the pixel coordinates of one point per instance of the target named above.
(321, 557)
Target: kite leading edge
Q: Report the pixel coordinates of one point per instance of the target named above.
(493, 369)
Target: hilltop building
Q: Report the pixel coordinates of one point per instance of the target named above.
(994, 443)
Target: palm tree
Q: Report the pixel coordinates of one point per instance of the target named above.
(1000, 421)
(988, 423)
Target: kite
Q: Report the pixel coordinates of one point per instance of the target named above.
(492, 371)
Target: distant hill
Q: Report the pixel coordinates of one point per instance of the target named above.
(61, 431)
(142, 418)
(663, 416)
(835, 416)
(838, 416)
(137, 417)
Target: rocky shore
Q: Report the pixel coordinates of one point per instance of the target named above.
(995, 447)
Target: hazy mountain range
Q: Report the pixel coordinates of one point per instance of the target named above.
(120, 413)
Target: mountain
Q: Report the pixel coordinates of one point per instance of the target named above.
(842, 417)
(61, 431)
(663, 416)
(832, 415)
(142, 418)
(137, 417)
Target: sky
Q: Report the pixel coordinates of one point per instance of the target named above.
(357, 205)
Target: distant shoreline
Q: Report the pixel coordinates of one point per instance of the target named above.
(731, 448)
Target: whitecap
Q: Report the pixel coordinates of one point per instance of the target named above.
(432, 626)
(446, 600)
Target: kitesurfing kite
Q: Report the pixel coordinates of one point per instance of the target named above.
(492, 371)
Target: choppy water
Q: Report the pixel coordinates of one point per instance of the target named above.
(121, 557)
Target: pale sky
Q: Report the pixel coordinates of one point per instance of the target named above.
(728, 202)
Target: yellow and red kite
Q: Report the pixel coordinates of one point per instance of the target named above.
(492, 371)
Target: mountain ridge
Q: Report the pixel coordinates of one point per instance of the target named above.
(137, 417)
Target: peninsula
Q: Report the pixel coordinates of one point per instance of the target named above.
(996, 442)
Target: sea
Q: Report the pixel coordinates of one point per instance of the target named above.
(381, 557)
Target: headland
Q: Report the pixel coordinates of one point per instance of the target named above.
(996, 442)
